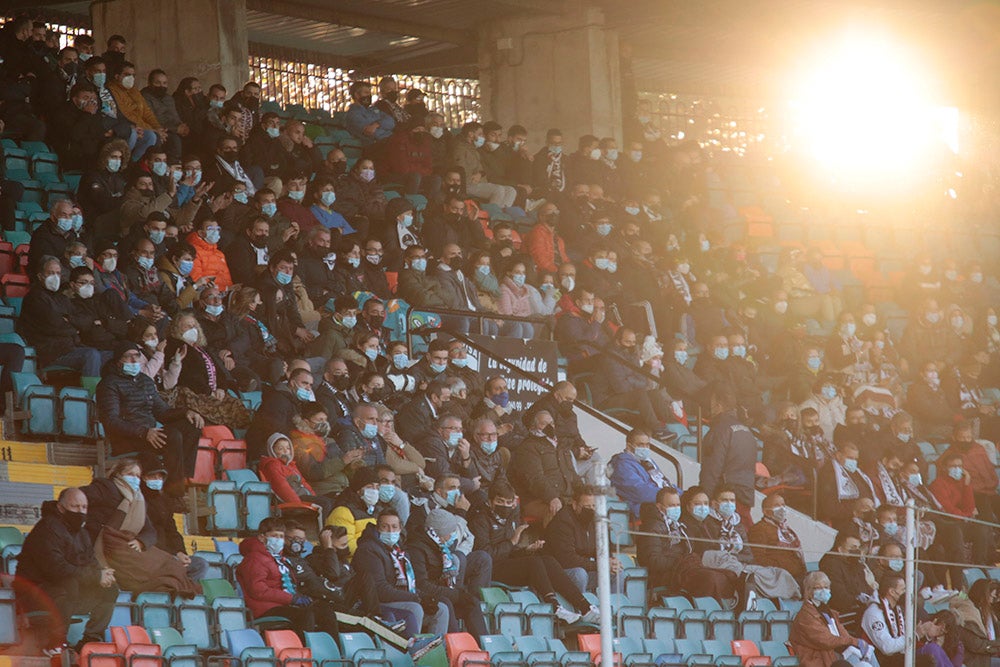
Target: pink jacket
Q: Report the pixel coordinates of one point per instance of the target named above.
(514, 300)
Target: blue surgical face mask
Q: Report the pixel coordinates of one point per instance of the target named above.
(453, 438)
(114, 164)
(349, 321)
(700, 512)
(304, 394)
(269, 209)
(100, 78)
(829, 392)
(821, 596)
(296, 195)
(371, 354)
(814, 363)
(439, 368)
(328, 197)
(370, 431)
(739, 351)
(273, 132)
(419, 264)
(727, 508)
(896, 564)
(216, 104)
(390, 538)
(483, 269)
(275, 545)
(401, 360)
(159, 168)
(241, 196)
(77, 221)
(518, 279)
(890, 529)
(132, 481)
(904, 437)
(604, 229)
(214, 310)
(185, 267)
(213, 235)
(489, 447)
(459, 363)
(848, 329)
(721, 353)
(76, 260)
(452, 497)
(479, 141)
(956, 473)
(916, 479)
(145, 262)
(555, 150)
(501, 399)
(64, 224)
(643, 453)
(851, 465)
(407, 219)
(601, 263)
(154, 484)
(681, 356)
(283, 278)
(157, 236)
(131, 368)
(386, 492)
(354, 261)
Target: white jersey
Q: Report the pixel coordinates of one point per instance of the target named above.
(881, 624)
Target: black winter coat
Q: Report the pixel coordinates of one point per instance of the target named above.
(540, 471)
(730, 457)
(47, 240)
(162, 520)
(374, 566)
(278, 407)
(130, 406)
(571, 541)
(52, 554)
(47, 323)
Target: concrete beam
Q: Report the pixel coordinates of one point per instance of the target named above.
(540, 6)
(359, 20)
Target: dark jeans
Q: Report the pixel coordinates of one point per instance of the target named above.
(63, 601)
(179, 454)
(543, 574)
(12, 361)
(10, 193)
(475, 570)
(86, 360)
(318, 616)
(467, 609)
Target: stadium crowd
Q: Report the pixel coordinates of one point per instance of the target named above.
(212, 249)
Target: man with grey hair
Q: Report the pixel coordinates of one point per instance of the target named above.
(58, 573)
(52, 237)
(445, 449)
(487, 461)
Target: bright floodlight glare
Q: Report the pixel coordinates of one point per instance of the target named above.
(862, 110)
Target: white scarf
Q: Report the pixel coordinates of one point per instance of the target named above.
(847, 489)
(892, 494)
(236, 171)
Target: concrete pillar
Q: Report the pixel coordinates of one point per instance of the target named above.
(557, 71)
(202, 38)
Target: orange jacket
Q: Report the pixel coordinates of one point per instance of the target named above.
(132, 105)
(210, 261)
(542, 244)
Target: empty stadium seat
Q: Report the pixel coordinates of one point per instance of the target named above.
(101, 654)
(8, 617)
(175, 650)
(463, 650)
(224, 499)
(195, 619)
(248, 645)
(361, 650)
(591, 644)
(749, 653)
(154, 610)
(288, 648)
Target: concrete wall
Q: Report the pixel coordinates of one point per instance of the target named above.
(817, 538)
(557, 72)
(202, 38)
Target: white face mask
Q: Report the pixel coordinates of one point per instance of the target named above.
(190, 336)
(86, 291)
(52, 282)
(110, 264)
(128, 82)
(436, 132)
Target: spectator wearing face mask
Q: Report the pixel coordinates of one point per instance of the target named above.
(209, 260)
(101, 320)
(77, 131)
(355, 507)
(317, 455)
(982, 474)
(102, 187)
(545, 246)
(263, 148)
(53, 236)
(629, 387)
(132, 106)
(928, 404)
(360, 197)
(279, 405)
(841, 484)
(367, 122)
(851, 582)
(826, 400)
(818, 636)
(925, 338)
(279, 469)
(161, 517)
(715, 582)
(542, 469)
(773, 531)
(634, 474)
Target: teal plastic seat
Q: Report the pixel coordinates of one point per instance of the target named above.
(175, 651)
(40, 401)
(249, 647)
(195, 618)
(360, 649)
(501, 650)
(224, 498)
(77, 412)
(155, 610)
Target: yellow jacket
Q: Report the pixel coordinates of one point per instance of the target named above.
(133, 106)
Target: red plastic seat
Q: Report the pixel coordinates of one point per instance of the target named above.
(14, 285)
(392, 278)
(463, 650)
(232, 454)
(747, 650)
(592, 645)
(21, 253)
(288, 648)
(217, 433)
(101, 654)
(204, 463)
(144, 655)
(123, 636)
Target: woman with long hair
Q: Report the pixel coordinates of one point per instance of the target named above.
(255, 345)
(202, 380)
(977, 624)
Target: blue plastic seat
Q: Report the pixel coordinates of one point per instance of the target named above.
(256, 496)
(230, 614)
(635, 582)
(632, 650)
(723, 652)
(155, 610)
(535, 650)
(8, 618)
(249, 647)
(779, 624)
(501, 650)
(77, 412)
(568, 658)
(225, 499)
(753, 626)
(693, 652)
(40, 401)
(195, 618)
(509, 618)
(541, 619)
(632, 621)
(722, 622)
(216, 564)
(618, 516)
(663, 652)
(663, 623)
(971, 575)
(124, 611)
(360, 649)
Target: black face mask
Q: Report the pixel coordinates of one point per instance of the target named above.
(566, 408)
(251, 103)
(365, 101)
(549, 431)
(454, 188)
(342, 382)
(229, 156)
(586, 515)
(74, 520)
(259, 241)
(790, 424)
(392, 95)
(503, 511)
(158, 91)
(338, 167)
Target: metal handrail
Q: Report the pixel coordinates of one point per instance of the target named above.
(476, 314)
(541, 381)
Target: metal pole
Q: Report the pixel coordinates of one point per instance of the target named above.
(602, 525)
(911, 583)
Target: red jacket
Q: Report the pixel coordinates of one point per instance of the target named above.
(281, 476)
(977, 462)
(955, 497)
(210, 261)
(260, 578)
(543, 245)
(296, 212)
